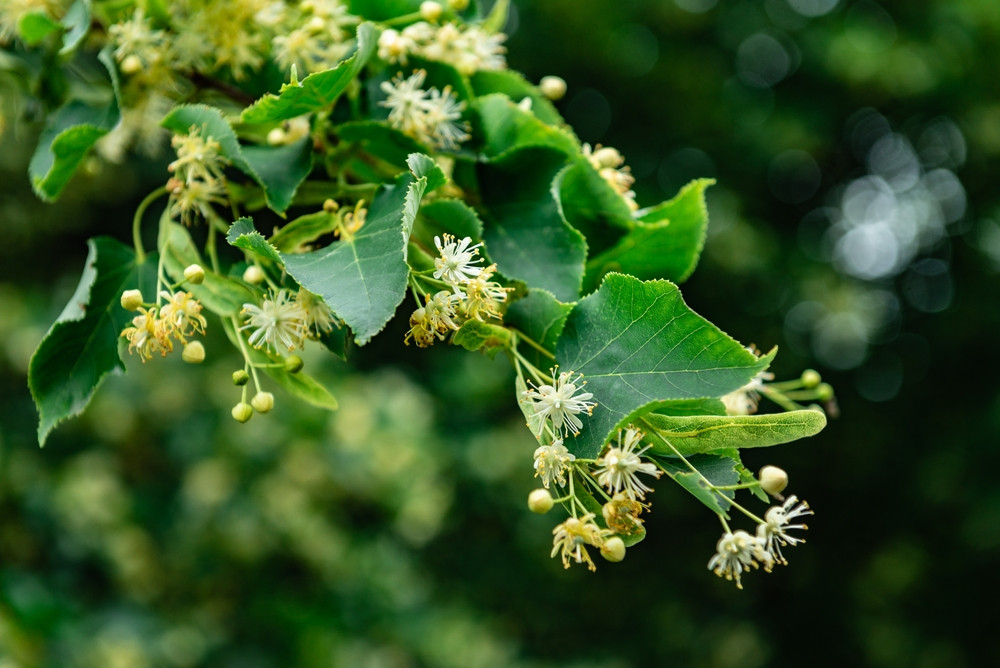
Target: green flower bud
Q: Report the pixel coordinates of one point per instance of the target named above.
(810, 378)
(330, 206)
(773, 480)
(131, 300)
(276, 137)
(194, 274)
(240, 378)
(824, 392)
(613, 549)
(253, 275)
(293, 364)
(242, 412)
(430, 11)
(131, 64)
(459, 5)
(540, 501)
(262, 402)
(553, 87)
(193, 353)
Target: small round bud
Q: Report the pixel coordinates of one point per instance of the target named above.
(316, 24)
(253, 275)
(540, 501)
(262, 402)
(553, 87)
(810, 378)
(430, 11)
(293, 364)
(458, 5)
(608, 157)
(613, 549)
(193, 353)
(194, 274)
(824, 391)
(330, 206)
(277, 137)
(240, 378)
(131, 300)
(242, 412)
(773, 480)
(131, 64)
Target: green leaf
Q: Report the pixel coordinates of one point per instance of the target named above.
(474, 335)
(532, 421)
(541, 317)
(363, 278)
(211, 123)
(446, 216)
(665, 243)
(303, 230)
(81, 347)
(516, 87)
(35, 26)
(380, 140)
(281, 170)
(505, 126)
(707, 433)
(243, 234)
(77, 25)
(592, 206)
(300, 384)
(639, 345)
(318, 91)
(525, 232)
(381, 10)
(497, 18)
(719, 470)
(219, 294)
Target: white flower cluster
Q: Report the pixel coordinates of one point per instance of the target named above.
(472, 294)
(467, 48)
(610, 164)
(197, 180)
(738, 551)
(283, 321)
(430, 116)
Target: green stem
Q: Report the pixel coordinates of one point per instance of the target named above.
(531, 342)
(779, 398)
(140, 253)
(246, 355)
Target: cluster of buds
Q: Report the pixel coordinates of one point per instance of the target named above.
(467, 48)
(197, 182)
(471, 293)
(430, 116)
(154, 329)
(610, 164)
(790, 394)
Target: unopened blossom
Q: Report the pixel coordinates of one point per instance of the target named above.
(744, 400)
(561, 402)
(572, 536)
(456, 259)
(736, 552)
(553, 462)
(618, 469)
(278, 322)
(773, 532)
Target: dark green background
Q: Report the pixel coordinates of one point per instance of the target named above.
(154, 531)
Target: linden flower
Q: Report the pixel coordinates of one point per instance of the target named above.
(552, 462)
(429, 116)
(744, 400)
(279, 321)
(621, 514)
(571, 537)
(435, 319)
(737, 552)
(618, 469)
(773, 533)
(182, 313)
(456, 260)
(482, 296)
(319, 317)
(148, 335)
(561, 402)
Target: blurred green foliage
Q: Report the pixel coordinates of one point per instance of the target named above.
(154, 531)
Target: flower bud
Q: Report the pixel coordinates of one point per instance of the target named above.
(553, 87)
(773, 480)
(242, 412)
(810, 378)
(613, 549)
(824, 392)
(276, 137)
(330, 206)
(131, 64)
(458, 5)
(131, 300)
(293, 364)
(193, 353)
(430, 11)
(240, 378)
(608, 157)
(253, 275)
(540, 501)
(194, 274)
(262, 402)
